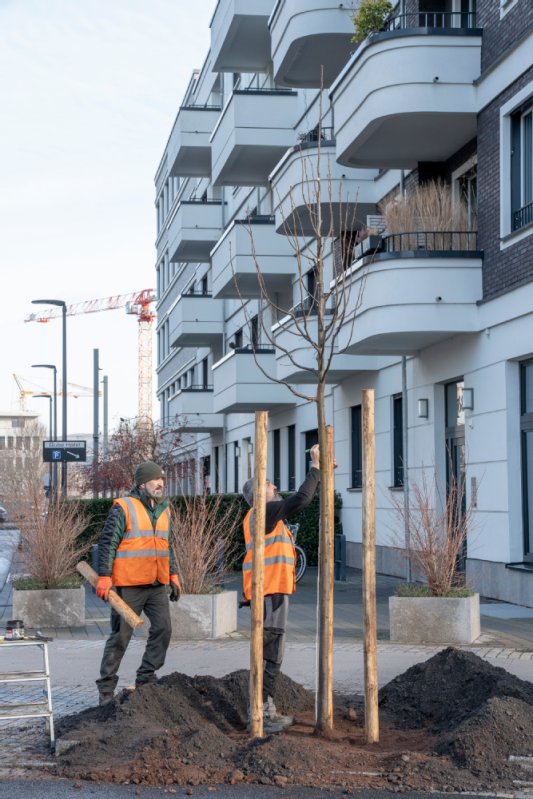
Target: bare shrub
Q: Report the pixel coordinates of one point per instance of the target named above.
(50, 534)
(438, 529)
(204, 540)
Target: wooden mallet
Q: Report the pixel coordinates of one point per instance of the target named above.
(113, 598)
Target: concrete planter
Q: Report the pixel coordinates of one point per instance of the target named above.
(53, 607)
(434, 620)
(204, 615)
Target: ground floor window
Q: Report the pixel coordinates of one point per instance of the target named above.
(526, 433)
(356, 434)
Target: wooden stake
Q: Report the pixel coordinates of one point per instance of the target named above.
(113, 598)
(369, 570)
(258, 576)
(324, 720)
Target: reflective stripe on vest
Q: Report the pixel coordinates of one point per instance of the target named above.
(142, 557)
(280, 577)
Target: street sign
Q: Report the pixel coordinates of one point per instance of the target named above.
(64, 451)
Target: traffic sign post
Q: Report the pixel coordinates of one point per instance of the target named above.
(64, 451)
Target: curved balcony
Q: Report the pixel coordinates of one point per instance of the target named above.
(196, 320)
(240, 40)
(408, 95)
(254, 131)
(422, 289)
(194, 230)
(188, 148)
(246, 245)
(194, 406)
(240, 385)
(309, 36)
(296, 359)
(346, 196)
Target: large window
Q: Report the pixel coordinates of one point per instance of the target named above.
(526, 432)
(357, 447)
(276, 458)
(291, 447)
(522, 168)
(397, 440)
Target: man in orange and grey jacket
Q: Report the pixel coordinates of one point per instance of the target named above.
(280, 578)
(135, 557)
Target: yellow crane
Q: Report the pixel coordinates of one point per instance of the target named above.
(75, 390)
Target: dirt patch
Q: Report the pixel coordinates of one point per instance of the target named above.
(450, 724)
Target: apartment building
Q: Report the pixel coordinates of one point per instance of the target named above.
(442, 97)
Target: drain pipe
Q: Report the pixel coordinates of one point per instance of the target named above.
(405, 447)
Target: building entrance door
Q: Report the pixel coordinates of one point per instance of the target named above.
(526, 433)
(455, 458)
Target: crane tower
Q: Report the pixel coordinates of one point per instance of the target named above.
(139, 304)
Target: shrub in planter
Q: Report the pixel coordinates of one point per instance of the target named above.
(370, 17)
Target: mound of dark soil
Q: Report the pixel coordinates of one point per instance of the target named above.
(450, 724)
(447, 689)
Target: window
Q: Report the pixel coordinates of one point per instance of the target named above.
(356, 428)
(522, 168)
(236, 453)
(526, 434)
(397, 440)
(291, 447)
(311, 438)
(217, 469)
(276, 457)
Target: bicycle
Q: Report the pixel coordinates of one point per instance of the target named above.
(301, 557)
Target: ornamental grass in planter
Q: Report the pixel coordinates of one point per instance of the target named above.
(49, 593)
(441, 609)
(204, 548)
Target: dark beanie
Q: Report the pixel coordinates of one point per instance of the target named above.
(248, 491)
(147, 471)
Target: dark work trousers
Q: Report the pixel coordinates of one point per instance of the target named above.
(274, 626)
(153, 600)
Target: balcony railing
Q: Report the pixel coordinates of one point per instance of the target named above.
(431, 241)
(432, 19)
(312, 137)
(197, 387)
(523, 217)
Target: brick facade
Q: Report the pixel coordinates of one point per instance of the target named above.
(500, 35)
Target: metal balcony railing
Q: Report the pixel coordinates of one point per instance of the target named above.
(431, 241)
(523, 217)
(432, 19)
(197, 387)
(312, 137)
(198, 293)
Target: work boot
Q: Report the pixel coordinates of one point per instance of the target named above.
(274, 721)
(104, 698)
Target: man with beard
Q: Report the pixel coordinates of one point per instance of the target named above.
(135, 557)
(280, 578)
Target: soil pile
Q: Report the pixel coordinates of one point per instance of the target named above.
(449, 723)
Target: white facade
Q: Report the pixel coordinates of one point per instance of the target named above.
(236, 193)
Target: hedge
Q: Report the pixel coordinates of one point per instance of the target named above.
(308, 519)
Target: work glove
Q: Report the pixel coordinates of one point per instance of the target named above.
(175, 588)
(244, 603)
(103, 586)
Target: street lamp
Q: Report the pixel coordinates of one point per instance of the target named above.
(48, 397)
(53, 433)
(62, 304)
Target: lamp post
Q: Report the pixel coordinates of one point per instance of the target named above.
(62, 304)
(48, 397)
(53, 433)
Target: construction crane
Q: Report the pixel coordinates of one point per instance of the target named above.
(139, 304)
(74, 390)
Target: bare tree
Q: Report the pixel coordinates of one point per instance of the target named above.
(20, 462)
(326, 300)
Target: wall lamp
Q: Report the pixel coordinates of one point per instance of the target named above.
(468, 399)
(423, 408)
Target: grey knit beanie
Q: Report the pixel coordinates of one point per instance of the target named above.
(147, 471)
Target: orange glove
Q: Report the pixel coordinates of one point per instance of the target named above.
(102, 587)
(175, 588)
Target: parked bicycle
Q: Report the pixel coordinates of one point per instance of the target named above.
(301, 557)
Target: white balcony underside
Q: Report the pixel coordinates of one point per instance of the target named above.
(411, 303)
(407, 98)
(195, 411)
(196, 321)
(311, 42)
(240, 39)
(241, 387)
(301, 370)
(188, 149)
(193, 161)
(193, 231)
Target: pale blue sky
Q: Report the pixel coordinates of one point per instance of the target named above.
(89, 90)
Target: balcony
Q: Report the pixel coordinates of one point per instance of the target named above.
(346, 196)
(196, 320)
(300, 366)
(408, 94)
(253, 133)
(308, 35)
(241, 387)
(194, 406)
(194, 230)
(246, 245)
(188, 149)
(422, 289)
(240, 39)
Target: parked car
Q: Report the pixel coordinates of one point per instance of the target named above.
(3, 514)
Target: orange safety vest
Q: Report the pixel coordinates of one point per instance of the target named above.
(142, 557)
(280, 559)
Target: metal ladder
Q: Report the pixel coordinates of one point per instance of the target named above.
(27, 710)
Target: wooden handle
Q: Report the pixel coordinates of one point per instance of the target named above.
(113, 598)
